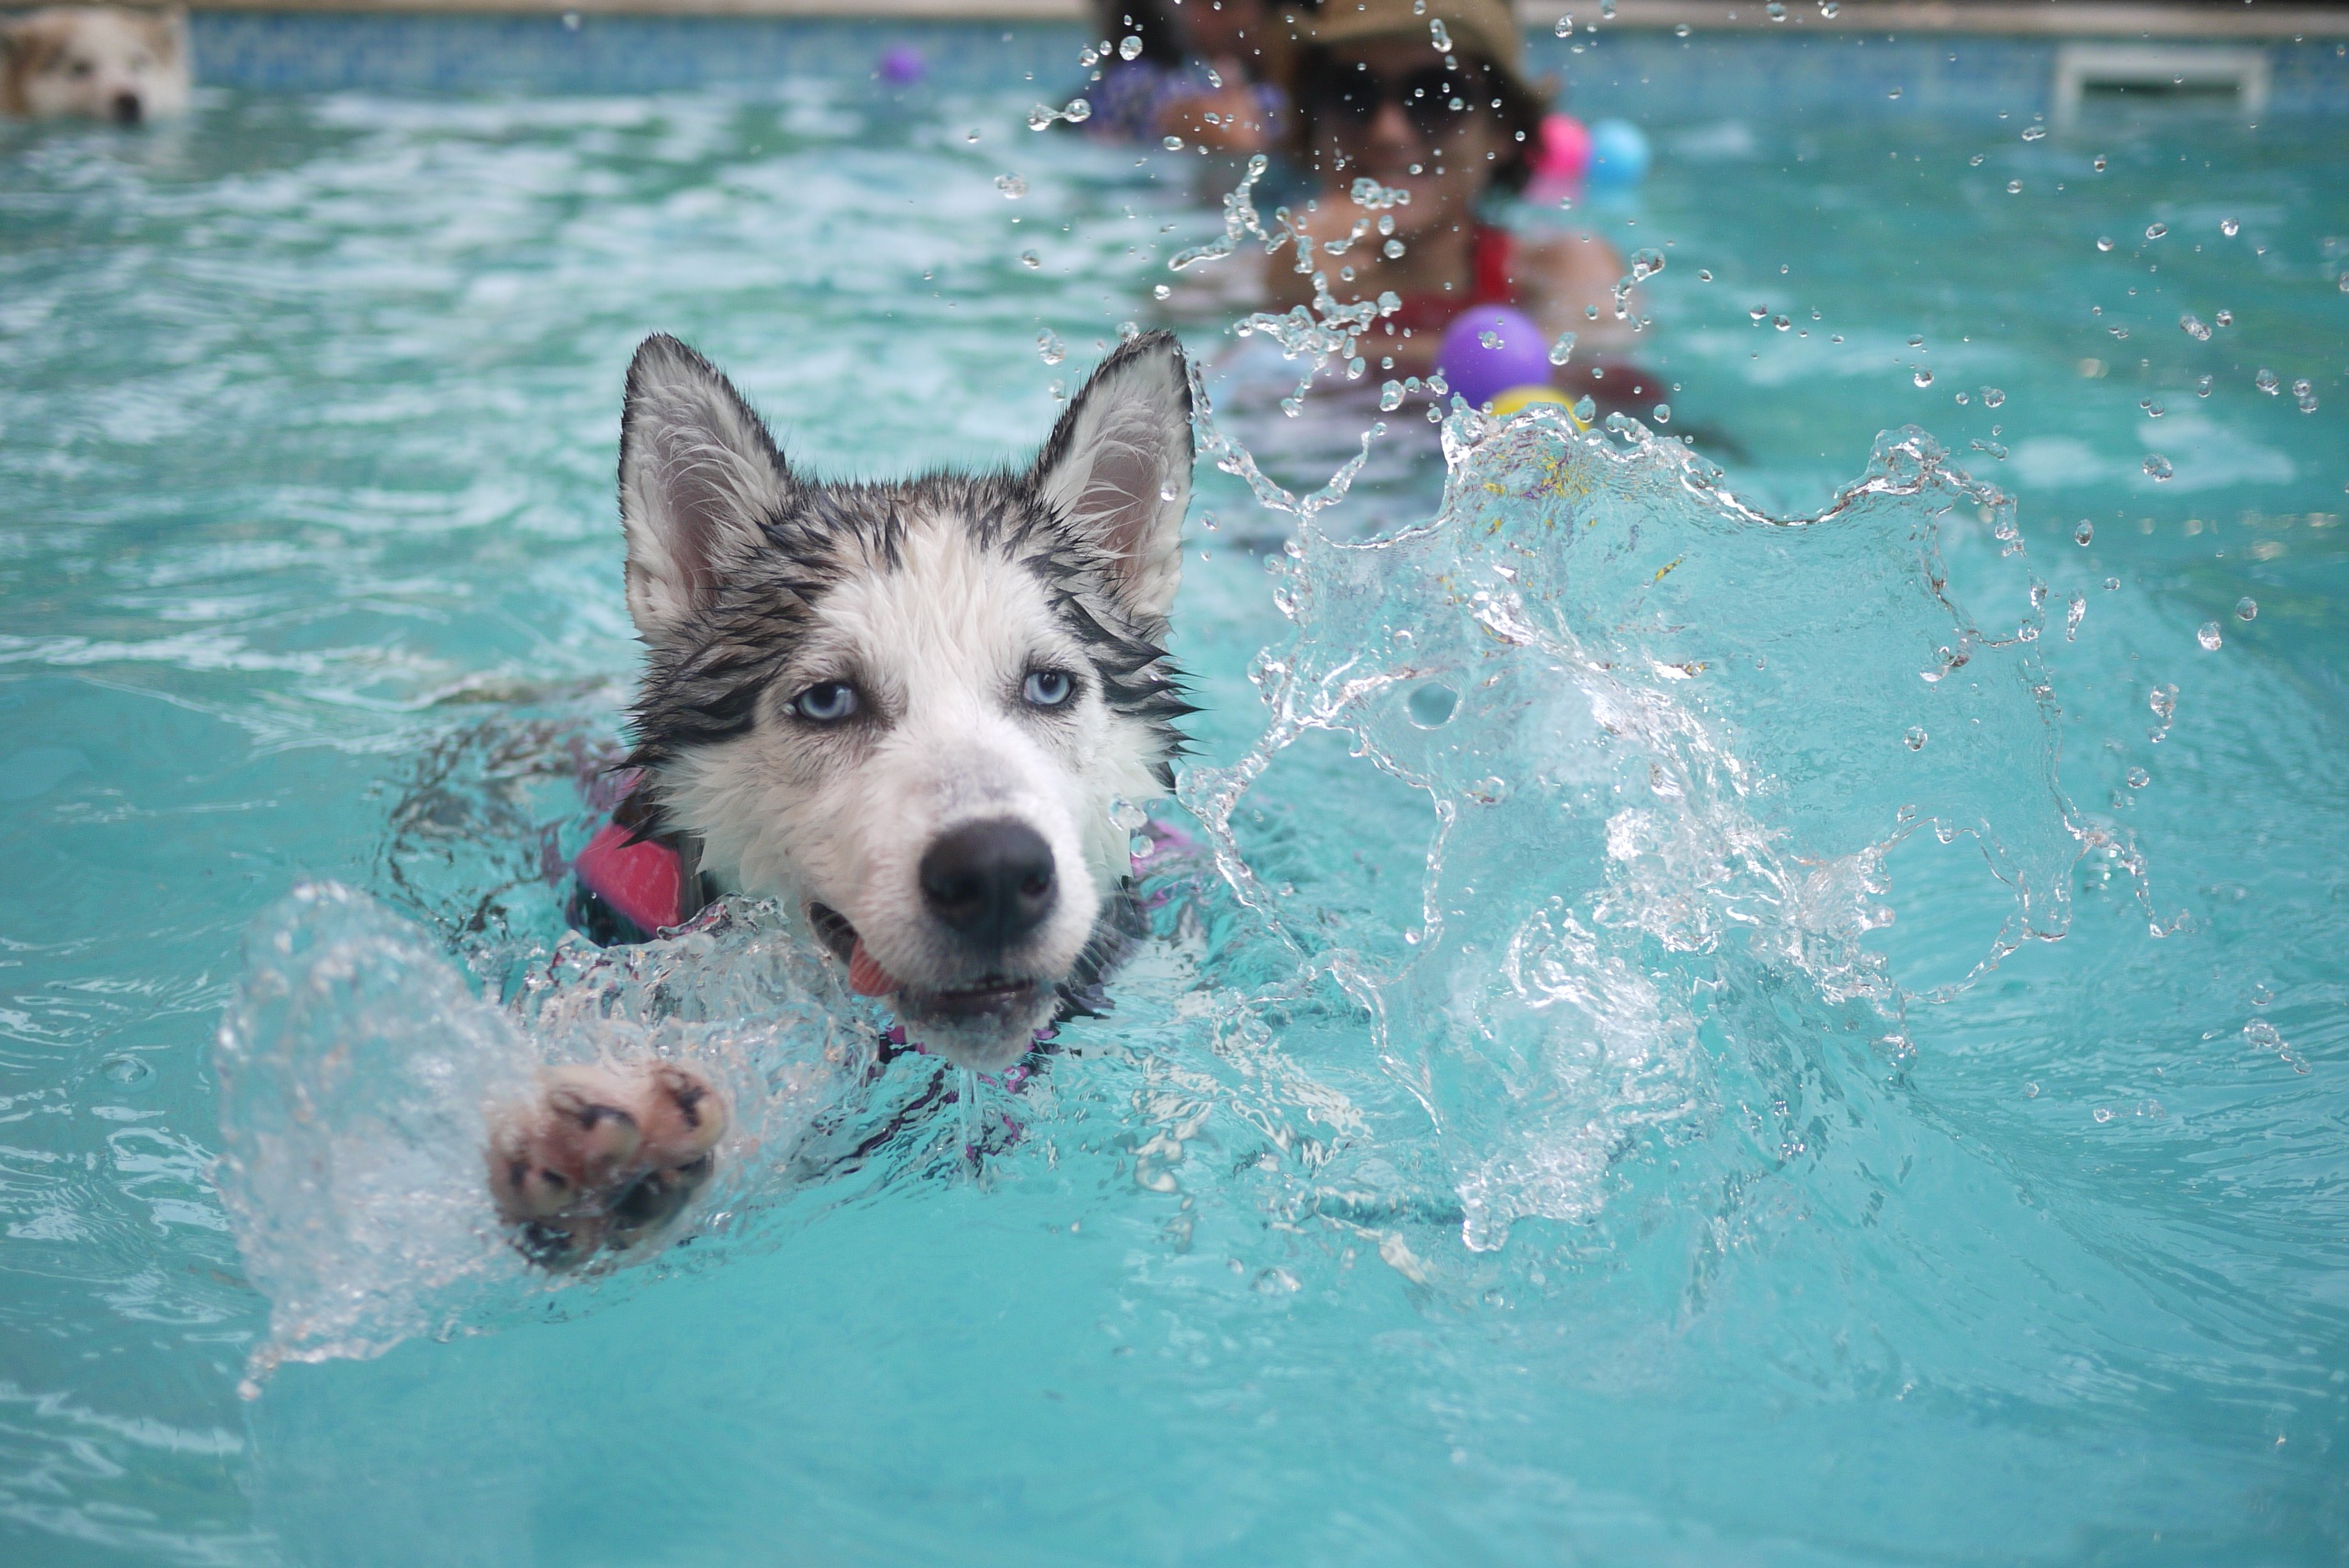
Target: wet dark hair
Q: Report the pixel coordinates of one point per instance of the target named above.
(1519, 116)
(1163, 40)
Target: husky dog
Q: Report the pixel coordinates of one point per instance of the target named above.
(909, 709)
(98, 62)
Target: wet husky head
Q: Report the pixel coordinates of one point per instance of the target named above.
(911, 707)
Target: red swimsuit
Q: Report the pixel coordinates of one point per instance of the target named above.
(1492, 267)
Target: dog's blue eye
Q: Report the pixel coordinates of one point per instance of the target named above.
(826, 702)
(1048, 688)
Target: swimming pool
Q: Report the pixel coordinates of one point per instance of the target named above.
(1400, 1218)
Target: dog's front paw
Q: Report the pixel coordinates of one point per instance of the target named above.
(604, 1158)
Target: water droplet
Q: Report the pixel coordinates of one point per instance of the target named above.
(2209, 637)
(2086, 533)
(1923, 377)
(1991, 397)
(1682, 30)
(2031, 1091)
(2075, 609)
(1606, 10)
(1078, 112)
(2229, 227)
(1646, 264)
(1915, 738)
(1440, 36)
(2153, 410)
(1565, 28)
(2247, 608)
(2225, 318)
(2112, 585)
(2194, 327)
(2305, 396)
(2155, 230)
(1916, 340)
(1161, 290)
(2103, 1115)
(1489, 339)
(1128, 47)
(2266, 381)
(1781, 323)
(1777, 12)
(1759, 311)
(1893, 94)
(2139, 779)
(1048, 346)
(1663, 413)
(2099, 163)
(1172, 144)
(1976, 160)
(1704, 274)
(2015, 187)
(1391, 397)
(1392, 249)
(1828, 8)
(1432, 704)
(2158, 466)
(2163, 700)
(126, 1070)
(1011, 185)
(2103, 242)
(1563, 349)
(2202, 386)
(1585, 409)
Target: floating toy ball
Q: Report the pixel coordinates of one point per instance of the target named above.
(1561, 150)
(1618, 153)
(1489, 349)
(902, 65)
(1518, 399)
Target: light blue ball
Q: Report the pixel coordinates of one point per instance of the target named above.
(1618, 153)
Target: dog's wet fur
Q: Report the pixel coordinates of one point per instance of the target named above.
(94, 62)
(908, 710)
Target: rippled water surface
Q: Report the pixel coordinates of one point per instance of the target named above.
(1553, 1121)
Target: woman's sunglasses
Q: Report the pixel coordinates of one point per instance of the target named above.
(1433, 97)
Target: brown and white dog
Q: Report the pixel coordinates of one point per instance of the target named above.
(95, 62)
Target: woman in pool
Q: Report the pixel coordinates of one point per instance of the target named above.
(1372, 97)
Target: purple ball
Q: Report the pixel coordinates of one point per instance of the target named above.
(901, 64)
(1519, 356)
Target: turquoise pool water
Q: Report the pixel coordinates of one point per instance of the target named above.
(1599, 1188)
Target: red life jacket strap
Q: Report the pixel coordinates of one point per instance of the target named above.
(641, 880)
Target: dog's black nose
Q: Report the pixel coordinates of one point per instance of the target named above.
(127, 109)
(993, 881)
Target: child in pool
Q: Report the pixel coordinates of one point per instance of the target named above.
(1372, 97)
(1203, 75)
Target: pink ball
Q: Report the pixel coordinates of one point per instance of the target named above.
(1517, 356)
(1561, 152)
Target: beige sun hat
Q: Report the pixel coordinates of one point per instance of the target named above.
(1485, 28)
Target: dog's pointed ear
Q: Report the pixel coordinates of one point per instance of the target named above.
(1117, 470)
(699, 479)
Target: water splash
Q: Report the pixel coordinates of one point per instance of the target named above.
(1599, 672)
(358, 1073)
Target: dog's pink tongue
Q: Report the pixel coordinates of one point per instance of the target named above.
(865, 977)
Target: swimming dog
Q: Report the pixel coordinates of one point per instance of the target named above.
(913, 711)
(98, 62)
